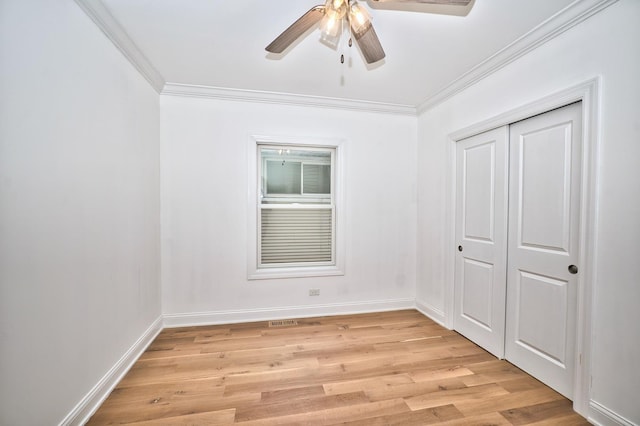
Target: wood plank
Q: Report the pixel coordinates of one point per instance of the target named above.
(356, 385)
(420, 389)
(573, 419)
(443, 373)
(336, 415)
(223, 417)
(458, 397)
(264, 410)
(490, 419)
(547, 411)
(287, 395)
(128, 406)
(507, 402)
(428, 416)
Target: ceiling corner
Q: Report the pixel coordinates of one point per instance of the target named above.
(567, 18)
(101, 16)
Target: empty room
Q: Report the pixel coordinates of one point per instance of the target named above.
(389, 212)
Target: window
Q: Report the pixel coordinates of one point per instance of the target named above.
(295, 204)
(297, 209)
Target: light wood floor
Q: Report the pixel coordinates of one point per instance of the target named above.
(394, 368)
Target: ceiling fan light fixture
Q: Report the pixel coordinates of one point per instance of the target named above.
(334, 12)
(359, 18)
(332, 39)
(336, 4)
(332, 22)
(334, 15)
(331, 25)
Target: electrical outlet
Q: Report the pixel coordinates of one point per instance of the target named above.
(314, 292)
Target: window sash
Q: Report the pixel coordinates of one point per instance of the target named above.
(281, 218)
(302, 179)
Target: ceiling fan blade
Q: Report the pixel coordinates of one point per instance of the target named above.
(369, 44)
(288, 36)
(443, 2)
(439, 7)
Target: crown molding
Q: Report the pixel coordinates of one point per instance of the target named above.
(242, 95)
(557, 24)
(562, 21)
(99, 14)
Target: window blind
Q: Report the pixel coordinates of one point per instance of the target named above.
(317, 178)
(295, 235)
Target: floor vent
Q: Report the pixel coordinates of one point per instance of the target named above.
(283, 323)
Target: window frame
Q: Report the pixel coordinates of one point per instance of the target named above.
(255, 270)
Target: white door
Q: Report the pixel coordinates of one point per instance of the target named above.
(481, 238)
(544, 200)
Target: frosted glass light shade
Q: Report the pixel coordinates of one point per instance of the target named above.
(359, 18)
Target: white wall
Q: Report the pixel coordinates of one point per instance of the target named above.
(79, 203)
(205, 206)
(605, 45)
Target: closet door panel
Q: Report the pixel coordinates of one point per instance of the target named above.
(544, 199)
(480, 263)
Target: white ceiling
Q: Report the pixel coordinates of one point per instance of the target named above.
(221, 44)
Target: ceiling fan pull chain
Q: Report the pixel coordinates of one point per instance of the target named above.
(350, 42)
(343, 23)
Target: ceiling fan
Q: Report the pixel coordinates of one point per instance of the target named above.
(336, 14)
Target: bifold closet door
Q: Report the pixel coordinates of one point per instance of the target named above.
(481, 238)
(544, 227)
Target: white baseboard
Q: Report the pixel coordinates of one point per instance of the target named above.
(249, 315)
(602, 416)
(435, 314)
(96, 396)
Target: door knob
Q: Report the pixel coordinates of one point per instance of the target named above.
(459, 248)
(573, 269)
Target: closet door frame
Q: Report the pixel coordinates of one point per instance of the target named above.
(588, 93)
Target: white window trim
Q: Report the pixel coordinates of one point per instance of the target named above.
(253, 271)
